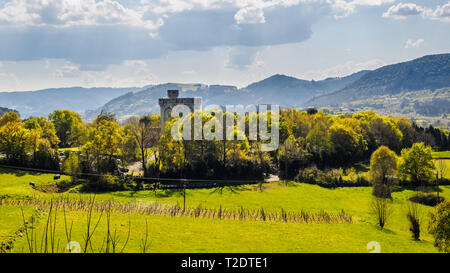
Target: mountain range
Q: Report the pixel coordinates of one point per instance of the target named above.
(430, 72)
(43, 102)
(420, 86)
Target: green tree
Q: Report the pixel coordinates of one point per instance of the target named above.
(45, 128)
(347, 143)
(440, 226)
(145, 132)
(383, 165)
(103, 143)
(69, 127)
(416, 163)
(9, 117)
(288, 152)
(72, 166)
(15, 140)
(171, 150)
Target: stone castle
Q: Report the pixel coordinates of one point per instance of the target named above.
(166, 104)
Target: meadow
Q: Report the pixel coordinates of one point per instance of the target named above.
(187, 233)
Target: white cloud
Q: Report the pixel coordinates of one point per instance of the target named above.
(68, 71)
(70, 12)
(342, 8)
(240, 58)
(250, 15)
(412, 44)
(138, 63)
(404, 10)
(442, 13)
(401, 11)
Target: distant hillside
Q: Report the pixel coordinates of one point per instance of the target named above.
(43, 102)
(5, 110)
(290, 91)
(278, 89)
(427, 73)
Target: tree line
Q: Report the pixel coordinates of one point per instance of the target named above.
(310, 139)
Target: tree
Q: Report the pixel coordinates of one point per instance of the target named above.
(383, 165)
(347, 143)
(69, 127)
(9, 117)
(382, 209)
(104, 139)
(15, 140)
(440, 226)
(287, 153)
(46, 129)
(441, 170)
(145, 132)
(414, 217)
(416, 163)
(72, 166)
(318, 140)
(380, 130)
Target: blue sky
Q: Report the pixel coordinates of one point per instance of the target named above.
(60, 43)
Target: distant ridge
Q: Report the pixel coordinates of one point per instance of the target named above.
(278, 89)
(430, 72)
(43, 102)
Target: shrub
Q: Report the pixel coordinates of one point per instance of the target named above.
(413, 216)
(426, 199)
(381, 191)
(381, 208)
(440, 226)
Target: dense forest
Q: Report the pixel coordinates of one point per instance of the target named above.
(314, 146)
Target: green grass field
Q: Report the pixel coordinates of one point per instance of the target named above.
(441, 154)
(188, 234)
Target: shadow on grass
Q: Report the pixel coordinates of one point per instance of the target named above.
(223, 189)
(20, 173)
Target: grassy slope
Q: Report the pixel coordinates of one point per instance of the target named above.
(17, 183)
(208, 235)
(11, 220)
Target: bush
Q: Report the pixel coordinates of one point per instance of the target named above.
(329, 179)
(382, 209)
(440, 226)
(426, 199)
(413, 216)
(381, 191)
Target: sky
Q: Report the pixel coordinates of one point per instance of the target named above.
(119, 43)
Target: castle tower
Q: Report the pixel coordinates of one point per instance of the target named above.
(167, 104)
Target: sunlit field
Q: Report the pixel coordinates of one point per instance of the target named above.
(190, 233)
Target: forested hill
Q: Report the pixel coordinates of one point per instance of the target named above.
(278, 89)
(430, 72)
(4, 110)
(43, 102)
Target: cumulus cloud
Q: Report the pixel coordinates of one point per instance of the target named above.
(94, 34)
(243, 58)
(250, 15)
(69, 12)
(401, 11)
(68, 71)
(442, 13)
(412, 44)
(404, 10)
